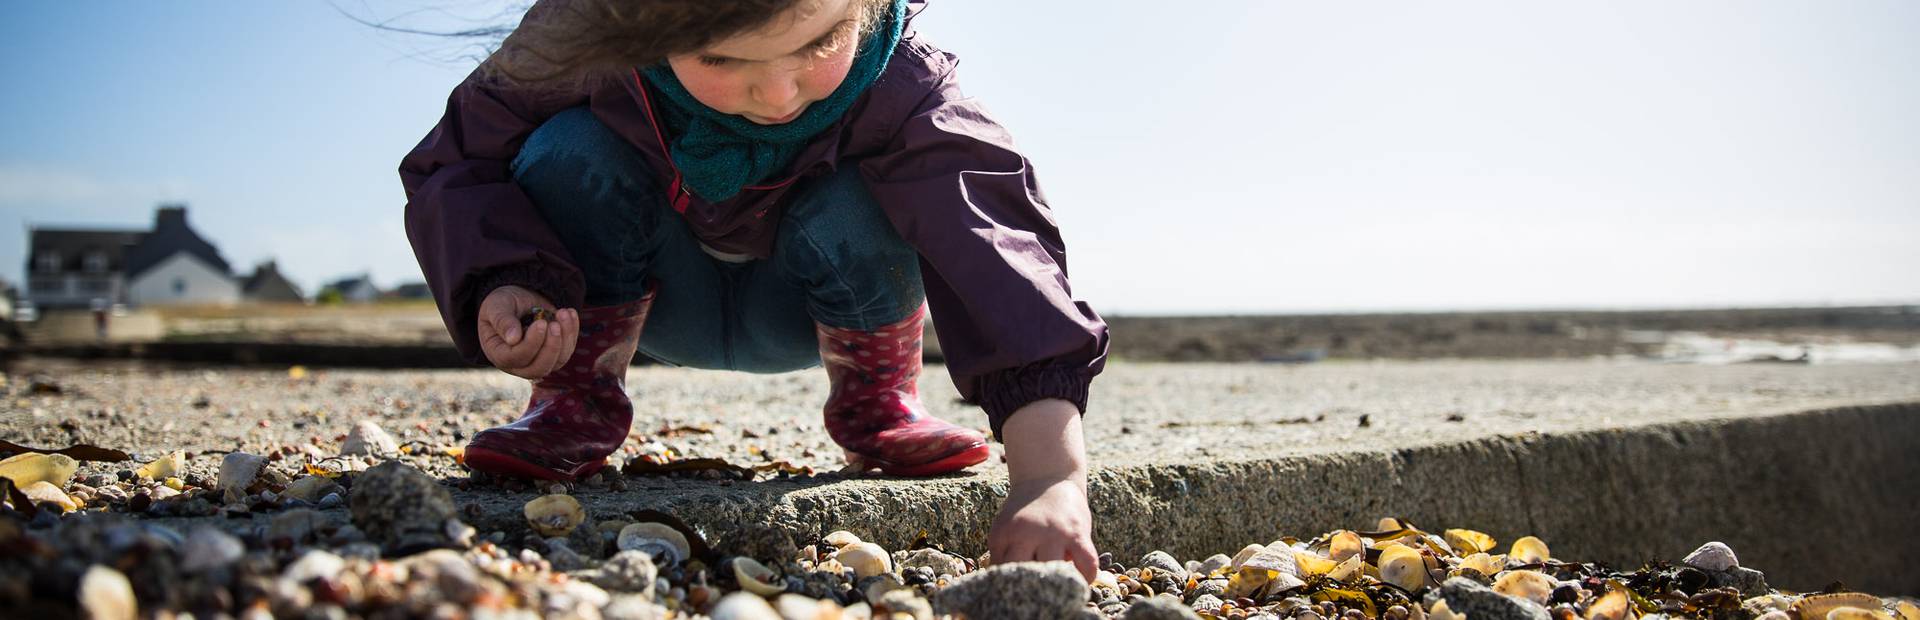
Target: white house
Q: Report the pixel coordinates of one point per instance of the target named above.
(174, 265)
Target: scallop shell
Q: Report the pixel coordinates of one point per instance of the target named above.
(657, 539)
(1614, 606)
(1245, 553)
(1856, 613)
(866, 559)
(554, 515)
(1345, 544)
(1817, 606)
(1352, 567)
(1487, 564)
(1309, 564)
(1441, 612)
(1713, 556)
(1908, 610)
(1527, 584)
(1402, 566)
(756, 577)
(842, 538)
(1468, 542)
(1529, 550)
(1388, 524)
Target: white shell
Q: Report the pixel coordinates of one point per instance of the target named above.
(1245, 553)
(842, 538)
(1402, 566)
(756, 577)
(237, 472)
(554, 515)
(1713, 556)
(1345, 544)
(1527, 584)
(657, 539)
(1529, 550)
(866, 559)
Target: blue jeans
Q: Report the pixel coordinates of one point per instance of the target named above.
(836, 259)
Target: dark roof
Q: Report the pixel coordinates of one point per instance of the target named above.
(171, 236)
(266, 283)
(74, 245)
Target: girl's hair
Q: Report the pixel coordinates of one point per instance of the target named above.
(563, 44)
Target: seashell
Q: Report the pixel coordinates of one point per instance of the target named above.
(743, 606)
(237, 472)
(1527, 584)
(1309, 564)
(1469, 542)
(554, 515)
(368, 439)
(1529, 550)
(106, 593)
(1856, 613)
(1388, 524)
(1713, 556)
(1278, 559)
(1816, 606)
(842, 538)
(1106, 580)
(1352, 567)
(1246, 582)
(866, 559)
(757, 578)
(1402, 566)
(1486, 564)
(1908, 610)
(1244, 554)
(1343, 545)
(164, 467)
(658, 540)
(26, 469)
(43, 492)
(1614, 606)
(1439, 611)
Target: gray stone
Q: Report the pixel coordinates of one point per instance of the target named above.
(368, 439)
(1713, 556)
(1214, 562)
(310, 489)
(298, 526)
(209, 548)
(316, 564)
(628, 571)
(1216, 587)
(1480, 602)
(404, 510)
(454, 578)
(904, 601)
(940, 563)
(1045, 590)
(238, 470)
(1748, 581)
(1161, 561)
(1162, 607)
(633, 607)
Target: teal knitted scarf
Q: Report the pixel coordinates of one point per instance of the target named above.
(718, 153)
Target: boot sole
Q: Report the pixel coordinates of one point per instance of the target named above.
(503, 464)
(971, 456)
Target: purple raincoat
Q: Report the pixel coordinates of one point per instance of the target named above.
(946, 174)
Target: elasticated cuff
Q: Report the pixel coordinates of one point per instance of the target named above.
(1004, 392)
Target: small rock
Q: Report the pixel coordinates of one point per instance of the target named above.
(331, 501)
(933, 559)
(1713, 556)
(43, 493)
(207, 548)
(628, 571)
(633, 607)
(368, 439)
(455, 577)
(310, 489)
(237, 472)
(401, 508)
(1216, 587)
(1161, 561)
(743, 606)
(903, 601)
(316, 564)
(1047, 590)
(1748, 581)
(296, 527)
(1162, 607)
(1214, 562)
(105, 594)
(1479, 602)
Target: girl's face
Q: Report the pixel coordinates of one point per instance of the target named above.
(770, 75)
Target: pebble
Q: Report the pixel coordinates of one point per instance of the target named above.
(1167, 608)
(934, 560)
(237, 472)
(207, 548)
(1713, 556)
(1214, 562)
(1161, 561)
(310, 489)
(744, 606)
(401, 508)
(633, 607)
(1047, 590)
(628, 571)
(1479, 602)
(105, 594)
(315, 564)
(368, 439)
(295, 527)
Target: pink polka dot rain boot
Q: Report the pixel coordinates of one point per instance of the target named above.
(579, 413)
(874, 410)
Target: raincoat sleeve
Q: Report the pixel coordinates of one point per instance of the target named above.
(471, 227)
(992, 258)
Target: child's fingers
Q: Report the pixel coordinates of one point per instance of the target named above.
(569, 336)
(548, 354)
(1050, 550)
(520, 356)
(1081, 553)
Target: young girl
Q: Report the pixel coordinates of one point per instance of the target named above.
(764, 185)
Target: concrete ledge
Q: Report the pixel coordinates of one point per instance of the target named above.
(1807, 497)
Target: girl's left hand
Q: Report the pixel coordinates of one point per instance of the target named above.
(1043, 521)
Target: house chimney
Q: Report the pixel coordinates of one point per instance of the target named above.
(170, 217)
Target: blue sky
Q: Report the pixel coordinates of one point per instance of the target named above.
(1249, 157)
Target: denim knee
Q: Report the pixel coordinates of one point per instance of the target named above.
(836, 243)
(587, 181)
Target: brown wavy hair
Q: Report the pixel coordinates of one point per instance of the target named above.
(563, 44)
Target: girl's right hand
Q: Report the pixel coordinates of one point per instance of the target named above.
(531, 351)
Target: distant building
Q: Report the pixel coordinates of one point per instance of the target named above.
(411, 290)
(357, 289)
(174, 265)
(78, 268)
(267, 285)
